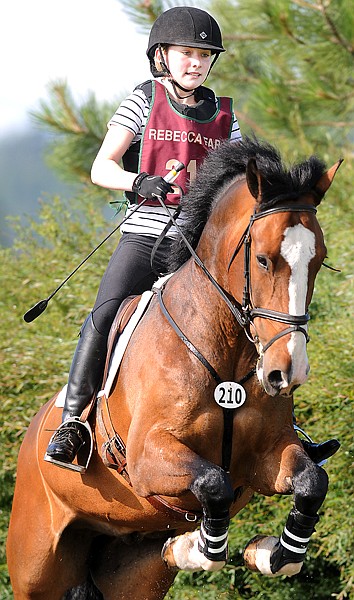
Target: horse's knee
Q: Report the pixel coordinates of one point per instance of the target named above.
(212, 487)
(310, 489)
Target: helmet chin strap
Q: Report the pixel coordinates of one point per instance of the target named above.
(167, 73)
(176, 85)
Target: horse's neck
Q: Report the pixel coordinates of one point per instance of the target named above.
(206, 320)
(223, 233)
(196, 302)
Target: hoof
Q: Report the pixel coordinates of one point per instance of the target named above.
(257, 555)
(167, 554)
(182, 553)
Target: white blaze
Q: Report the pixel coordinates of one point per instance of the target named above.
(298, 248)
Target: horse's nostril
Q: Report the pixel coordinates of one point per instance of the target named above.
(276, 379)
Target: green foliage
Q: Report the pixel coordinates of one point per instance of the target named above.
(289, 66)
(78, 131)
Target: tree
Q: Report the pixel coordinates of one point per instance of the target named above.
(290, 66)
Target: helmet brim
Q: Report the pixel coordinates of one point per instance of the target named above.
(151, 51)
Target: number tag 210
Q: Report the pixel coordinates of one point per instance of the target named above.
(230, 394)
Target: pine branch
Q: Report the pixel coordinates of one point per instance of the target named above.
(338, 38)
(339, 124)
(144, 12)
(78, 131)
(61, 114)
(245, 37)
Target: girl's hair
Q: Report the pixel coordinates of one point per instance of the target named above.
(156, 68)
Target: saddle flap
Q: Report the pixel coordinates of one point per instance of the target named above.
(124, 324)
(124, 313)
(121, 319)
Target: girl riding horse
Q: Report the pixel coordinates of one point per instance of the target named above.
(172, 118)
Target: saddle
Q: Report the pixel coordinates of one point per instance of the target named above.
(113, 449)
(125, 312)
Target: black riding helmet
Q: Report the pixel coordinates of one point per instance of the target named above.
(183, 26)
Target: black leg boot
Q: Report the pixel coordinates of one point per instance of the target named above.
(84, 380)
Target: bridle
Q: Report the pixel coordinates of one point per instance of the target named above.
(249, 312)
(245, 313)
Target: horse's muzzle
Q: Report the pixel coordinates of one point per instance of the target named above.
(280, 381)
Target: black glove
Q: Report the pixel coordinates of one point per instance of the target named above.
(150, 186)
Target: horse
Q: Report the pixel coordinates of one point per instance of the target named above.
(202, 407)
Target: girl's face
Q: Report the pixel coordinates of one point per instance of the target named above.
(188, 66)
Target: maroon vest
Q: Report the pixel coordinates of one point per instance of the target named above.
(170, 137)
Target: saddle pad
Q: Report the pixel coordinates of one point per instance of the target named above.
(60, 399)
(123, 340)
(125, 336)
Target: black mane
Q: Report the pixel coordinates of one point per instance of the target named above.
(225, 164)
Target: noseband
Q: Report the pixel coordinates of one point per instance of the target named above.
(249, 312)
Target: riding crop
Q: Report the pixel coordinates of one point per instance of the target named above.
(40, 306)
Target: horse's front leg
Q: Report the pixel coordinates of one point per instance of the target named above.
(285, 555)
(207, 548)
(181, 470)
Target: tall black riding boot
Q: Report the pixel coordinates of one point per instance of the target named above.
(85, 378)
(319, 453)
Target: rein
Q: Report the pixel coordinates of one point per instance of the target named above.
(234, 309)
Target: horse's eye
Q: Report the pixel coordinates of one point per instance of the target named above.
(262, 261)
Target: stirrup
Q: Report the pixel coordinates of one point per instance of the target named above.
(84, 454)
(297, 428)
(310, 440)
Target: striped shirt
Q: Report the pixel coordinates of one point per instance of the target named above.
(132, 114)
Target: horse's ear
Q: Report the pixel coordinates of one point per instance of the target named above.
(325, 181)
(253, 177)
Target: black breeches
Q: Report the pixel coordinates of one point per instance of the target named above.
(128, 272)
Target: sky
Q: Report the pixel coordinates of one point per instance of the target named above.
(91, 43)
